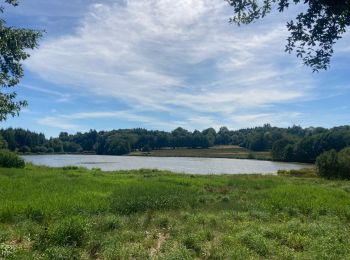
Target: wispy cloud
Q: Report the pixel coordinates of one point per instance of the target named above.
(64, 121)
(59, 97)
(180, 58)
(59, 123)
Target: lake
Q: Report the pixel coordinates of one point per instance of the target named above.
(174, 164)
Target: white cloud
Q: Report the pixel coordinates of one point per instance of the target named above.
(64, 121)
(179, 57)
(57, 122)
(59, 97)
(251, 120)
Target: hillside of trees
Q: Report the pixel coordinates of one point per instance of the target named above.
(295, 143)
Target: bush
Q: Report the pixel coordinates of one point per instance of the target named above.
(146, 148)
(344, 163)
(331, 164)
(39, 149)
(10, 160)
(24, 149)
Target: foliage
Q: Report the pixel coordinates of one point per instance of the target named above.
(226, 151)
(312, 34)
(10, 160)
(286, 144)
(13, 45)
(331, 164)
(307, 149)
(279, 153)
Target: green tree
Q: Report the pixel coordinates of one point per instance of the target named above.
(327, 164)
(289, 153)
(278, 149)
(210, 134)
(344, 163)
(312, 34)
(117, 145)
(70, 147)
(257, 143)
(331, 164)
(14, 43)
(223, 136)
(3, 143)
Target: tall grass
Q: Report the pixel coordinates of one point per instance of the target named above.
(75, 213)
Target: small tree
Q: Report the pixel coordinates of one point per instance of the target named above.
(327, 164)
(344, 163)
(10, 160)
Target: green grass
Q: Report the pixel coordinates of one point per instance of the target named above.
(74, 213)
(230, 151)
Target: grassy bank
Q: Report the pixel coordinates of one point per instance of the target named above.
(229, 151)
(73, 213)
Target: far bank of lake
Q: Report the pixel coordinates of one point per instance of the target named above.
(175, 164)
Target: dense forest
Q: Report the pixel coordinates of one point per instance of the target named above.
(286, 144)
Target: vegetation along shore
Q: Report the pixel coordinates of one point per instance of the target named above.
(292, 144)
(74, 213)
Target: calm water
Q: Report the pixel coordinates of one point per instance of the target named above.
(175, 164)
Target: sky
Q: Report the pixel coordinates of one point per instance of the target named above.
(162, 64)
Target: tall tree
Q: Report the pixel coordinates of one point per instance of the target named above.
(312, 34)
(14, 43)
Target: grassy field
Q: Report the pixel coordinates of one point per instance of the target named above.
(230, 151)
(70, 213)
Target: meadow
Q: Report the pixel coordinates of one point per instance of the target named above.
(74, 213)
(221, 151)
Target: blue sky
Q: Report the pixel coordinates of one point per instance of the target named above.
(160, 64)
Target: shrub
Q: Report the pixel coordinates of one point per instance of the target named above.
(10, 160)
(39, 149)
(327, 164)
(331, 164)
(344, 163)
(146, 148)
(25, 149)
(251, 156)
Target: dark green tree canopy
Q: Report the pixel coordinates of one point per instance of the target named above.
(14, 42)
(312, 34)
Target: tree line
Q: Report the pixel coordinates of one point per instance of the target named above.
(294, 143)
